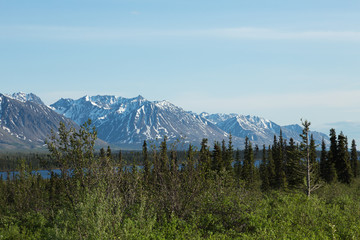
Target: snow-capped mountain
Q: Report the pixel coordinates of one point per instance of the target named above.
(24, 97)
(127, 122)
(124, 121)
(257, 129)
(25, 122)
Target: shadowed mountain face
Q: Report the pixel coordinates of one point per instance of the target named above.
(25, 122)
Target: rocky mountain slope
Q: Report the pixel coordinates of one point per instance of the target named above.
(25, 122)
(123, 121)
(257, 129)
(130, 121)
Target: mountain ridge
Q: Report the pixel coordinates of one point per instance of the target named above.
(139, 119)
(129, 121)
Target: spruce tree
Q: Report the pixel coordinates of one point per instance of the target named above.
(313, 161)
(216, 162)
(248, 168)
(238, 165)
(224, 155)
(354, 159)
(343, 162)
(323, 161)
(163, 158)
(204, 157)
(294, 174)
(102, 153)
(230, 154)
(311, 180)
(108, 152)
(278, 156)
(146, 161)
(173, 162)
(190, 160)
(264, 176)
(271, 169)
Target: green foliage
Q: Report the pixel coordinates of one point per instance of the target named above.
(342, 163)
(294, 216)
(202, 200)
(294, 173)
(248, 170)
(354, 159)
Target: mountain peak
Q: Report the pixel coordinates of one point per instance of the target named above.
(25, 97)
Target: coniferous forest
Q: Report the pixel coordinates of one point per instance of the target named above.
(288, 190)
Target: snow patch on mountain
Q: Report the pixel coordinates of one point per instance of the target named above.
(132, 120)
(25, 97)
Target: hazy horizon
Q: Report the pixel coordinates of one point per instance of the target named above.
(280, 60)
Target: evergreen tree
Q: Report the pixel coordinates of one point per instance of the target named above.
(173, 162)
(313, 161)
(163, 158)
(323, 161)
(354, 159)
(108, 152)
(146, 161)
(271, 168)
(343, 162)
(224, 155)
(216, 163)
(311, 181)
(333, 152)
(102, 153)
(248, 168)
(237, 166)
(190, 160)
(264, 176)
(278, 156)
(229, 155)
(294, 174)
(204, 157)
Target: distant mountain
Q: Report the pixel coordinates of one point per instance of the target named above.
(24, 97)
(25, 122)
(258, 130)
(124, 121)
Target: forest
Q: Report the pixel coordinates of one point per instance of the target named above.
(294, 190)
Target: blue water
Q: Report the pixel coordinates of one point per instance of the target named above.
(47, 173)
(43, 173)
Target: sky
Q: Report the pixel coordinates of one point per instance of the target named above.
(282, 60)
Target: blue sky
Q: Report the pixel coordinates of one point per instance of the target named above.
(282, 60)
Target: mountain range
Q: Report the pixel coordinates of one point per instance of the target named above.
(25, 121)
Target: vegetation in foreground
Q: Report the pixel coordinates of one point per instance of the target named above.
(289, 196)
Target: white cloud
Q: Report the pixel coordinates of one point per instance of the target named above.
(345, 100)
(92, 33)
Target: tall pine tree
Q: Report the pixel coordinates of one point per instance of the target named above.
(264, 176)
(205, 157)
(354, 159)
(146, 162)
(343, 161)
(311, 181)
(216, 163)
(249, 167)
(294, 174)
(332, 156)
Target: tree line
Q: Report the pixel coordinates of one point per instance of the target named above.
(210, 192)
